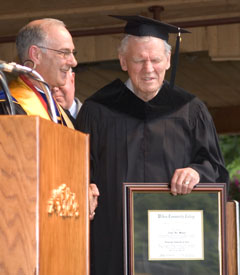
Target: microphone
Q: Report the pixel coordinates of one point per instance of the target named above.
(3, 83)
(14, 68)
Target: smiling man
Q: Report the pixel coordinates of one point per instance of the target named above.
(46, 46)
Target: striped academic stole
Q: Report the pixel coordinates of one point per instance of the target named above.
(35, 102)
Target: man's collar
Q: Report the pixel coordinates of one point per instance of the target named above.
(129, 85)
(39, 90)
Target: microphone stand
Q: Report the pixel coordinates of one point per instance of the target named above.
(11, 110)
(13, 67)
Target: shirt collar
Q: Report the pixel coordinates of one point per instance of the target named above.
(129, 85)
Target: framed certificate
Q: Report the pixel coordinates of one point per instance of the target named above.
(166, 234)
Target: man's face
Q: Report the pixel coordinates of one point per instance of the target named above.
(53, 66)
(146, 62)
(64, 95)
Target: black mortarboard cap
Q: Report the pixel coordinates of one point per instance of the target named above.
(144, 26)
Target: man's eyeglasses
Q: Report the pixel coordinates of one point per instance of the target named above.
(64, 53)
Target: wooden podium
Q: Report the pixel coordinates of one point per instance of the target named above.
(36, 157)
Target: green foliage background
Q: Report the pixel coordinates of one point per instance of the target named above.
(230, 146)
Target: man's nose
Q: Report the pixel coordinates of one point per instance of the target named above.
(148, 66)
(55, 89)
(72, 62)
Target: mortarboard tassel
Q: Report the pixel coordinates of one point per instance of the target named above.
(175, 60)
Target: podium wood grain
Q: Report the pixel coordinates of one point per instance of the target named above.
(37, 156)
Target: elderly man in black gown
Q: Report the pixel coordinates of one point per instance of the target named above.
(144, 130)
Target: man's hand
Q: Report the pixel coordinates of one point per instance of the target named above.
(184, 180)
(93, 199)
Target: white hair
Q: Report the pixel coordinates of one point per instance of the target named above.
(122, 49)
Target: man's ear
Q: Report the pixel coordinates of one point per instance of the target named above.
(123, 63)
(168, 61)
(35, 54)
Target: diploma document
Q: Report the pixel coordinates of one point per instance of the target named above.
(175, 235)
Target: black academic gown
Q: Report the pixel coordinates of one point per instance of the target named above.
(136, 141)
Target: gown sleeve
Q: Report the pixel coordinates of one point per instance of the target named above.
(207, 158)
(86, 122)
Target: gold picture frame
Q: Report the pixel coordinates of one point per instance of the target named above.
(189, 230)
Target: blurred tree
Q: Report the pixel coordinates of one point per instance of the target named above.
(230, 146)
